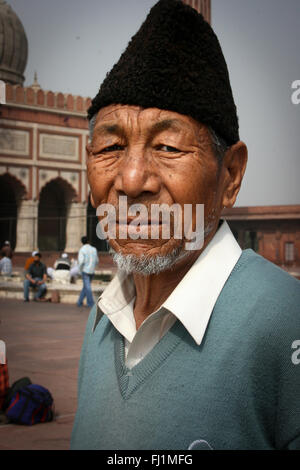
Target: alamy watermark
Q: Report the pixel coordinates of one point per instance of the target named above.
(295, 97)
(157, 221)
(296, 354)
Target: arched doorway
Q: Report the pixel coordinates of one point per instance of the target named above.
(11, 192)
(52, 214)
(91, 224)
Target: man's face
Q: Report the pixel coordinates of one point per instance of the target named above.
(36, 259)
(153, 156)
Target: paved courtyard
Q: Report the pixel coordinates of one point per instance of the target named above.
(43, 342)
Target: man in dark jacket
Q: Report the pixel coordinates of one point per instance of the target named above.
(36, 277)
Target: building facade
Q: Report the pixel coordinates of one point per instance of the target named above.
(272, 231)
(44, 192)
(43, 135)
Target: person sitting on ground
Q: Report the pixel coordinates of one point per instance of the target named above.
(6, 250)
(61, 270)
(36, 277)
(63, 263)
(5, 266)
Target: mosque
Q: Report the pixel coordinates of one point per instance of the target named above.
(44, 195)
(43, 188)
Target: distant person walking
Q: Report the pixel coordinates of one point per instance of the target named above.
(87, 261)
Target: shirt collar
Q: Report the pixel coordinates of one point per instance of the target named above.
(193, 299)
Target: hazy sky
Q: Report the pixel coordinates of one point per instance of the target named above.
(74, 43)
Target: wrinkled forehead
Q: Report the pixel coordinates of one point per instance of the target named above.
(114, 117)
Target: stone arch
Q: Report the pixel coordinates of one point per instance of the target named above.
(17, 185)
(12, 191)
(64, 185)
(55, 198)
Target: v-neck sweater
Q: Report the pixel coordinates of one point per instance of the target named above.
(238, 390)
(117, 300)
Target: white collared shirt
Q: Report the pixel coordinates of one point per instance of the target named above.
(192, 301)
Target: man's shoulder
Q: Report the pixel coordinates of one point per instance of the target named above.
(264, 291)
(92, 250)
(87, 247)
(97, 319)
(258, 271)
(260, 306)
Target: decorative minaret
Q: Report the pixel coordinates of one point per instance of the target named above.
(36, 86)
(202, 6)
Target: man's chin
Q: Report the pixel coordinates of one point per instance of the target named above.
(151, 260)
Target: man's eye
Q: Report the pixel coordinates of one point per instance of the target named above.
(112, 148)
(168, 148)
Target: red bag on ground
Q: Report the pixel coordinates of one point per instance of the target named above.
(4, 383)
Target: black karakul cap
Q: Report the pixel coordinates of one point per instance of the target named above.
(174, 62)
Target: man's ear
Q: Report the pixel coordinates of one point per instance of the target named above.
(235, 162)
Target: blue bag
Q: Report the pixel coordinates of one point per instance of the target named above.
(30, 405)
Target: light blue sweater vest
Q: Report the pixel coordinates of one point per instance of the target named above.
(240, 389)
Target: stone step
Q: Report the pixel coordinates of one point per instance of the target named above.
(104, 275)
(68, 292)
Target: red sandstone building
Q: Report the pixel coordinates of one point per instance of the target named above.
(272, 231)
(43, 135)
(42, 171)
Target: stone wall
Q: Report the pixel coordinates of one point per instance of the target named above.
(35, 96)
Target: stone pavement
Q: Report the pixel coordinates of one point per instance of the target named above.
(43, 342)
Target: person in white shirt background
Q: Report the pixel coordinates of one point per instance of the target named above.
(87, 262)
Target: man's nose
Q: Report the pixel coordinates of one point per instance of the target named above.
(137, 174)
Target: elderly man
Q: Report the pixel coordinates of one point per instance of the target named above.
(186, 348)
